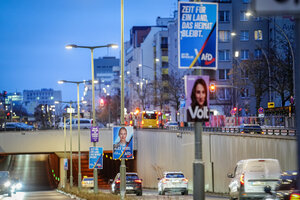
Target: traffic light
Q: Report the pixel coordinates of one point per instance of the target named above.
(8, 115)
(101, 102)
(4, 94)
(212, 87)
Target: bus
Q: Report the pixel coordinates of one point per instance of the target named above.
(148, 119)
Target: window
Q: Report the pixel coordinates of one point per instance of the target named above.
(244, 92)
(246, 1)
(258, 35)
(224, 36)
(244, 36)
(244, 54)
(224, 93)
(244, 74)
(257, 54)
(224, 55)
(137, 71)
(243, 16)
(223, 16)
(223, 74)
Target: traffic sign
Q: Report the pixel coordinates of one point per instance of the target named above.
(276, 7)
(271, 104)
(261, 110)
(96, 158)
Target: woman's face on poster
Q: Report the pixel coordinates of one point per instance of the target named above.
(200, 94)
(123, 135)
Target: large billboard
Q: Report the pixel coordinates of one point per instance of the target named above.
(197, 35)
(123, 142)
(197, 93)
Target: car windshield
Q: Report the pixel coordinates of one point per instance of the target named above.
(174, 175)
(131, 177)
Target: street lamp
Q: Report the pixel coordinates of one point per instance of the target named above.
(93, 93)
(71, 165)
(78, 117)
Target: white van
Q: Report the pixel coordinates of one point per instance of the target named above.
(251, 176)
(84, 123)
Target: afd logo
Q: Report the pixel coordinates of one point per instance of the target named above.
(208, 58)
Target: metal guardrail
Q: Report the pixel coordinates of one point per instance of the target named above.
(266, 131)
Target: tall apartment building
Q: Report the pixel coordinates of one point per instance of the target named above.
(33, 98)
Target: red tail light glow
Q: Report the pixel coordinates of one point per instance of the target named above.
(242, 179)
(295, 196)
(138, 181)
(185, 180)
(118, 181)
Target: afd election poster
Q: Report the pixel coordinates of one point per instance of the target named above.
(123, 142)
(197, 35)
(197, 93)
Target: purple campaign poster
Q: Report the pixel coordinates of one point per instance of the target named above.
(197, 94)
(95, 134)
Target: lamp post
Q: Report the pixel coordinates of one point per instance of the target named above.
(93, 93)
(71, 165)
(78, 121)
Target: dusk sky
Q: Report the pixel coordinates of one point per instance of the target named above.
(34, 34)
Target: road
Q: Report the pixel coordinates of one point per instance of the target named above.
(36, 195)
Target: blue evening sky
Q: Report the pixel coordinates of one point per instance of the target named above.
(34, 34)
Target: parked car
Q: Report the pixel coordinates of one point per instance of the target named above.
(87, 182)
(133, 184)
(251, 128)
(286, 187)
(173, 182)
(84, 123)
(251, 176)
(5, 183)
(171, 125)
(17, 126)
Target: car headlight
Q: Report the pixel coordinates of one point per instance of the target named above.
(19, 186)
(7, 184)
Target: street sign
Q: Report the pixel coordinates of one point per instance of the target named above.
(197, 35)
(261, 115)
(276, 7)
(271, 104)
(66, 167)
(261, 110)
(96, 158)
(94, 134)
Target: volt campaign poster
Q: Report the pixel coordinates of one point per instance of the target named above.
(197, 93)
(197, 35)
(123, 142)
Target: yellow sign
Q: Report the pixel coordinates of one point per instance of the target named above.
(271, 104)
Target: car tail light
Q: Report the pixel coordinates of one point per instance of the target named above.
(118, 181)
(138, 181)
(261, 160)
(185, 180)
(295, 196)
(165, 180)
(242, 179)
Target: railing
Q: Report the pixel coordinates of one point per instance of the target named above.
(264, 130)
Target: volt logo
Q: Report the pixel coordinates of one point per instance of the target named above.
(208, 58)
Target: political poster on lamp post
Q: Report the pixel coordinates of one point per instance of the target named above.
(197, 93)
(123, 142)
(96, 158)
(197, 35)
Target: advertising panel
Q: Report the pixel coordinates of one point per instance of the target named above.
(197, 35)
(123, 142)
(94, 134)
(96, 158)
(197, 93)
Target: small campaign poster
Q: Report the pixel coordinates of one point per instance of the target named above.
(96, 158)
(197, 93)
(66, 167)
(197, 35)
(123, 142)
(94, 134)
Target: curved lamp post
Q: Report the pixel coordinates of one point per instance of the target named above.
(70, 46)
(78, 117)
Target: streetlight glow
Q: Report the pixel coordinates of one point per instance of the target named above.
(114, 46)
(60, 82)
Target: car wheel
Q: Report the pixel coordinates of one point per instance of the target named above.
(159, 192)
(163, 192)
(9, 194)
(139, 193)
